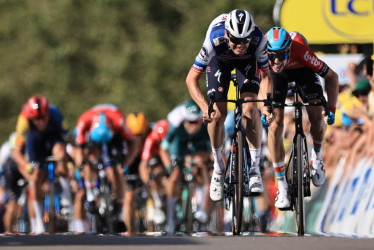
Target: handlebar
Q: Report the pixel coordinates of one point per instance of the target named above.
(267, 102)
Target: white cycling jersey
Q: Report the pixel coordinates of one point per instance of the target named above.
(215, 44)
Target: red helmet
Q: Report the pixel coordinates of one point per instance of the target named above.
(160, 129)
(38, 106)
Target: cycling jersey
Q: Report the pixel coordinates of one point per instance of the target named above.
(113, 114)
(179, 143)
(302, 56)
(57, 126)
(215, 44)
(152, 143)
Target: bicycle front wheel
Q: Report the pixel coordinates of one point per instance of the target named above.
(300, 212)
(238, 174)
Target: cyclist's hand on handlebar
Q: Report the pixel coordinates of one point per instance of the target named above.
(329, 119)
(267, 118)
(206, 117)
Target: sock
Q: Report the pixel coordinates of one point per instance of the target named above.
(65, 185)
(200, 195)
(218, 165)
(90, 186)
(156, 199)
(80, 226)
(255, 160)
(120, 205)
(280, 172)
(33, 224)
(317, 146)
(38, 209)
(172, 201)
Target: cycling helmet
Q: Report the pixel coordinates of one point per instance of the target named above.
(192, 111)
(278, 39)
(38, 106)
(137, 123)
(160, 130)
(100, 131)
(239, 24)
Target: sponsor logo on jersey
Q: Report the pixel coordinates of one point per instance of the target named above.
(204, 53)
(221, 89)
(313, 60)
(219, 40)
(211, 91)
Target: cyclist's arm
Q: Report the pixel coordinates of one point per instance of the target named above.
(133, 150)
(331, 87)
(266, 86)
(192, 82)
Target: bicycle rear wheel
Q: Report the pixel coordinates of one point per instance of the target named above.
(300, 212)
(238, 174)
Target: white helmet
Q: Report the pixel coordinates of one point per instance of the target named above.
(239, 23)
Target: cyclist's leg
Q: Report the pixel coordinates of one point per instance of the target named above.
(36, 153)
(312, 88)
(157, 190)
(177, 151)
(129, 201)
(275, 137)
(249, 83)
(89, 176)
(218, 81)
(62, 173)
(204, 203)
(13, 192)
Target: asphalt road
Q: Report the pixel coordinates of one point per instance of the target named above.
(273, 241)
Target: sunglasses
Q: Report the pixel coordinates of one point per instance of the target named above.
(194, 122)
(236, 40)
(40, 118)
(280, 55)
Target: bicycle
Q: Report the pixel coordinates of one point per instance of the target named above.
(102, 221)
(56, 218)
(298, 173)
(237, 172)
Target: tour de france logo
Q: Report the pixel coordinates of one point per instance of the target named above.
(352, 19)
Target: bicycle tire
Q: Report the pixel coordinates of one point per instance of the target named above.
(300, 212)
(189, 215)
(238, 174)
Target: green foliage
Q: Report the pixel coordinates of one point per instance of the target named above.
(134, 54)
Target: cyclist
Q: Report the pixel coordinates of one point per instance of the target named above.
(291, 59)
(41, 130)
(140, 128)
(232, 41)
(189, 139)
(151, 170)
(102, 134)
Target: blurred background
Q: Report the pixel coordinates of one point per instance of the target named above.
(134, 54)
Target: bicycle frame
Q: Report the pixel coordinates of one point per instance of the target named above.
(299, 179)
(234, 183)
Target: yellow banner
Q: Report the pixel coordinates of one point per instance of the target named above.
(330, 21)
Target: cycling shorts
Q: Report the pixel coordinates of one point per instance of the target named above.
(132, 178)
(12, 176)
(305, 78)
(219, 76)
(39, 146)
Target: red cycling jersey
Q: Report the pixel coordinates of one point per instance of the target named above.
(153, 140)
(113, 114)
(302, 56)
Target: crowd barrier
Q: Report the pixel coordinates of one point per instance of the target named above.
(343, 206)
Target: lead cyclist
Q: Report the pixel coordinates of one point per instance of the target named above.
(232, 41)
(291, 59)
